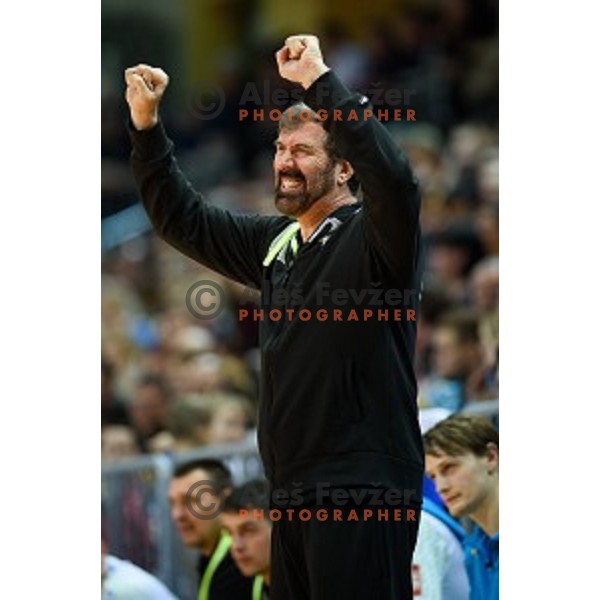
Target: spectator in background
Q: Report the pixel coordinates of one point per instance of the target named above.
(487, 224)
(484, 285)
(434, 304)
(122, 580)
(149, 405)
(187, 419)
(490, 341)
(219, 578)
(488, 177)
(196, 366)
(424, 145)
(231, 419)
(118, 442)
(452, 254)
(462, 458)
(205, 419)
(193, 362)
(190, 341)
(246, 517)
(113, 411)
(457, 359)
(467, 145)
(438, 566)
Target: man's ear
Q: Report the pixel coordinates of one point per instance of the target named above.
(493, 457)
(344, 172)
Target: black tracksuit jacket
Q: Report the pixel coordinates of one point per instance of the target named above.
(337, 398)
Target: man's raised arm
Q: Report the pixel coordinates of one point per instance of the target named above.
(390, 190)
(233, 245)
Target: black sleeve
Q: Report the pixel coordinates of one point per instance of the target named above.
(390, 190)
(233, 245)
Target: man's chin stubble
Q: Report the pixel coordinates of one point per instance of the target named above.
(291, 206)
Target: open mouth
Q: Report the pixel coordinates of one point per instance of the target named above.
(290, 183)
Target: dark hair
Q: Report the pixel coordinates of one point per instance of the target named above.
(254, 494)
(460, 236)
(460, 434)
(218, 473)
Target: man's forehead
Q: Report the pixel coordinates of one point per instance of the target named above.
(310, 134)
(438, 457)
(233, 519)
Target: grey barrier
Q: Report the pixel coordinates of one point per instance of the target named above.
(136, 522)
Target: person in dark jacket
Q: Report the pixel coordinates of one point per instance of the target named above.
(338, 416)
(245, 517)
(195, 487)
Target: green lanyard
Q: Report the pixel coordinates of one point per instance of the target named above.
(257, 588)
(281, 241)
(215, 560)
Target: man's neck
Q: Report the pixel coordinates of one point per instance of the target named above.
(267, 577)
(320, 210)
(210, 543)
(487, 516)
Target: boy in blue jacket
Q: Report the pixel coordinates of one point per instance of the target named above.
(462, 458)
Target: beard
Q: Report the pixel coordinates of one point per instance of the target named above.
(295, 201)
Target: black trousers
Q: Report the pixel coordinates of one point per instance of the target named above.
(344, 559)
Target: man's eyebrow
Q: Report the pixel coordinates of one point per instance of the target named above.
(300, 146)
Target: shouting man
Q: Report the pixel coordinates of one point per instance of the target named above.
(338, 411)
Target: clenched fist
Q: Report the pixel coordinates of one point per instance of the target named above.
(145, 88)
(300, 60)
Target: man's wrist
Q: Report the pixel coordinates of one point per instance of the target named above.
(142, 123)
(314, 75)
